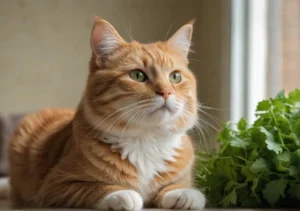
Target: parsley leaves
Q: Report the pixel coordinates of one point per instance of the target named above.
(257, 165)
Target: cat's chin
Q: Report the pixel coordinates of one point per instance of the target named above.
(159, 118)
(163, 110)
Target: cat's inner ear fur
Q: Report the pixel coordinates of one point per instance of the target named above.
(181, 39)
(104, 38)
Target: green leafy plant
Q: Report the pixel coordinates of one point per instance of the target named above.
(256, 165)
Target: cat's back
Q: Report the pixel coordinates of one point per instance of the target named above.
(39, 125)
(35, 147)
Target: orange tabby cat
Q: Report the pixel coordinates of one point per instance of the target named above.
(125, 147)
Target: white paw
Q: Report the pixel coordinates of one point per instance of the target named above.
(121, 200)
(184, 199)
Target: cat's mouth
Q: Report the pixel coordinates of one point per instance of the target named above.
(163, 108)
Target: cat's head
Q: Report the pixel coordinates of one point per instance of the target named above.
(134, 87)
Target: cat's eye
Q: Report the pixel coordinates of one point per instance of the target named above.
(175, 77)
(138, 75)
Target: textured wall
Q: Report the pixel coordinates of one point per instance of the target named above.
(44, 45)
(290, 45)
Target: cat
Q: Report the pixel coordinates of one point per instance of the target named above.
(126, 146)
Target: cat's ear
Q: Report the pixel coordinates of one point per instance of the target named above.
(181, 39)
(104, 38)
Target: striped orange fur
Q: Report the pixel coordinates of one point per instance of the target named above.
(125, 146)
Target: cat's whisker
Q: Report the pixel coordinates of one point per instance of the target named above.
(142, 102)
(206, 129)
(120, 118)
(130, 33)
(211, 117)
(211, 108)
(108, 115)
(202, 135)
(196, 60)
(119, 17)
(140, 117)
(166, 37)
(210, 124)
(127, 113)
(126, 107)
(201, 125)
(128, 122)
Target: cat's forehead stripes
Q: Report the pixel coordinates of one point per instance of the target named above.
(155, 54)
(156, 62)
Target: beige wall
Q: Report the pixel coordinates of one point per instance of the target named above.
(290, 45)
(44, 45)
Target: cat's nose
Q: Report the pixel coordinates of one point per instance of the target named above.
(165, 93)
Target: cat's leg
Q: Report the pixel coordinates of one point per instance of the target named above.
(89, 195)
(179, 197)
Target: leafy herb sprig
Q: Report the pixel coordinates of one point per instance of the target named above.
(256, 165)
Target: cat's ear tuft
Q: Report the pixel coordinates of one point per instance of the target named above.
(104, 38)
(181, 39)
(192, 21)
(97, 18)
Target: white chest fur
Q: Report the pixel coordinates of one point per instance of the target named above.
(148, 154)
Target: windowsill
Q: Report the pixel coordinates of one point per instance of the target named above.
(4, 206)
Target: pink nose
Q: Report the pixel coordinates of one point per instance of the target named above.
(164, 93)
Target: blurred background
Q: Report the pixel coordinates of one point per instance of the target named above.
(245, 50)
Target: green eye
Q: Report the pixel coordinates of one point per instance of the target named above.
(175, 77)
(138, 75)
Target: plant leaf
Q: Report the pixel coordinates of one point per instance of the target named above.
(280, 95)
(242, 125)
(255, 183)
(282, 161)
(271, 144)
(294, 191)
(229, 199)
(293, 171)
(230, 185)
(284, 157)
(295, 95)
(247, 173)
(239, 143)
(274, 190)
(259, 166)
(263, 105)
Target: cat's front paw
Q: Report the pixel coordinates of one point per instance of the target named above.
(121, 200)
(184, 199)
